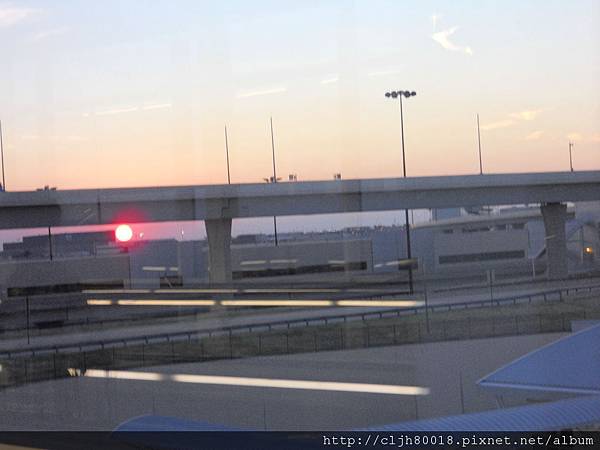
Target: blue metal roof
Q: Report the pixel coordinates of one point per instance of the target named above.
(571, 365)
(164, 423)
(563, 414)
(560, 415)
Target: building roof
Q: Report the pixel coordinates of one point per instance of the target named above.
(165, 423)
(560, 415)
(491, 219)
(569, 365)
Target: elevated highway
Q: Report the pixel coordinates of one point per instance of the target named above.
(217, 205)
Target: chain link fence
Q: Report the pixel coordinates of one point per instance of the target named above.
(338, 336)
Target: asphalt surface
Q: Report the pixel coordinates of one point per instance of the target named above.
(225, 319)
(449, 370)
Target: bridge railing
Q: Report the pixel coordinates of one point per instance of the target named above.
(553, 295)
(284, 337)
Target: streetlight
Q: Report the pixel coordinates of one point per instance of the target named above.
(571, 155)
(398, 95)
(479, 146)
(3, 188)
(227, 155)
(274, 179)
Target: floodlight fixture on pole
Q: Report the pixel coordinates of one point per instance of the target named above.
(398, 95)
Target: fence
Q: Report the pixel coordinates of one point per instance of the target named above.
(149, 351)
(554, 295)
(15, 322)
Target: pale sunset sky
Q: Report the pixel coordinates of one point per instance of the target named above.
(130, 93)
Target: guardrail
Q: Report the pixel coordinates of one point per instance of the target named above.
(64, 315)
(554, 295)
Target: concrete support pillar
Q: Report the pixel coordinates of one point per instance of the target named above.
(556, 242)
(218, 232)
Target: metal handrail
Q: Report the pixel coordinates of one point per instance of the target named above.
(187, 335)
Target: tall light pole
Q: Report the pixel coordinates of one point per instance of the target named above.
(399, 95)
(227, 153)
(274, 178)
(570, 155)
(2, 157)
(479, 146)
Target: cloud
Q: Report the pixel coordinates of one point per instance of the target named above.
(382, 73)
(29, 137)
(442, 38)
(499, 124)
(49, 33)
(157, 106)
(108, 112)
(526, 115)
(263, 92)
(535, 136)
(331, 79)
(75, 138)
(128, 109)
(573, 136)
(11, 15)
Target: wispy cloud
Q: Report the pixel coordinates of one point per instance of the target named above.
(109, 112)
(11, 15)
(331, 79)
(128, 109)
(157, 106)
(49, 33)
(385, 72)
(443, 38)
(527, 115)
(277, 90)
(534, 136)
(575, 136)
(29, 137)
(530, 114)
(499, 124)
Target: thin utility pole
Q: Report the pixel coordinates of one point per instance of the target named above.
(227, 153)
(407, 228)
(274, 178)
(426, 296)
(2, 157)
(273, 149)
(570, 156)
(27, 312)
(50, 242)
(479, 145)
(462, 393)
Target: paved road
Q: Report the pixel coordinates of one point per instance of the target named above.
(83, 403)
(187, 325)
(209, 321)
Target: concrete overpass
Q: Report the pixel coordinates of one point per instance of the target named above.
(217, 205)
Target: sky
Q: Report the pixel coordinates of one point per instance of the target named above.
(125, 93)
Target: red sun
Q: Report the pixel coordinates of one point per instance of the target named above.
(123, 233)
